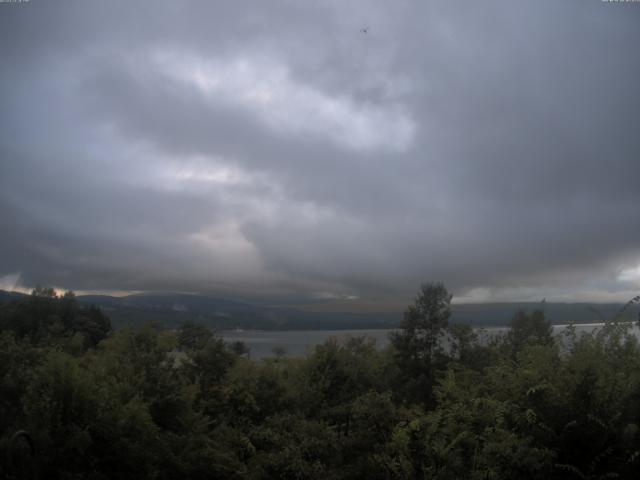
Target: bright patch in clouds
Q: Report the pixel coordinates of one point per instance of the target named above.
(334, 296)
(152, 167)
(630, 275)
(267, 89)
(204, 172)
(10, 281)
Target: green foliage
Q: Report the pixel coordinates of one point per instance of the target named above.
(239, 348)
(417, 346)
(424, 322)
(192, 336)
(256, 391)
(291, 447)
(18, 361)
(440, 403)
(529, 329)
(44, 319)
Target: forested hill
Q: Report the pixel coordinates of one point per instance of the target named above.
(171, 309)
(500, 314)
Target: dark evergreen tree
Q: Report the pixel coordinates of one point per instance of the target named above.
(417, 346)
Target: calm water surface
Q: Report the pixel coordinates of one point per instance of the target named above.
(297, 343)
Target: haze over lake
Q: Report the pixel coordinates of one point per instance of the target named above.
(295, 343)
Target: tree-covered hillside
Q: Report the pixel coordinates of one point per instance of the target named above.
(172, 309)
(80, 400)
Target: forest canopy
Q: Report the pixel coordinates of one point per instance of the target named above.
(79, 399)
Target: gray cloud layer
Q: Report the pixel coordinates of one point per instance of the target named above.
(272, 147)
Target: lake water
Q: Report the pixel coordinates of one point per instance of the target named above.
(298, 343)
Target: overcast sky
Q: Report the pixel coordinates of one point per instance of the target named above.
(276, 148)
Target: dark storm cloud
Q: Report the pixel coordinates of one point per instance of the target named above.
(272, 146)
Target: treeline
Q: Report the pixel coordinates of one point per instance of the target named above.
(80, 401)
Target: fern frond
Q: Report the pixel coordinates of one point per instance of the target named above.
(570, 469)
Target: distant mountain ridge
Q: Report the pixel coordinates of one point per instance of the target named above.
(171, 309)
